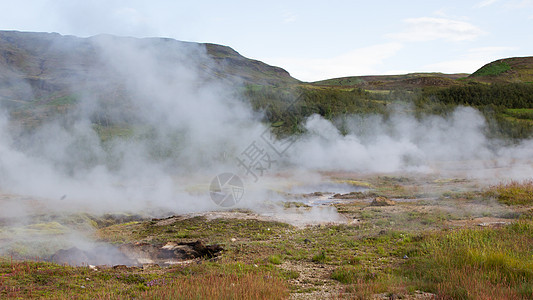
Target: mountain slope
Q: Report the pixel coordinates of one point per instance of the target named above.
(233, 64)
(48, 65)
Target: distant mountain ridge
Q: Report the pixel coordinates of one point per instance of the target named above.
(389, 82)
(109, 79)
(47, 68)
(508, 70)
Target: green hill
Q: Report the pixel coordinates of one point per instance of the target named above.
(512, 70)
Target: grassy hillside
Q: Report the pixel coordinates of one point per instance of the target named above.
(389, 82)
(515, 70)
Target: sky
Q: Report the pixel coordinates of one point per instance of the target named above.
(313, 40)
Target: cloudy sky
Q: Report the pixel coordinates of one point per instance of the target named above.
(313, 40)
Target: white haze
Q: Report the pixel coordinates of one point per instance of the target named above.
(200, 127)
(193, 118)
(456, 145)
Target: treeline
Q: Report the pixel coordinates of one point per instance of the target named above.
(509, 95)
(285, 108)
(493, 100)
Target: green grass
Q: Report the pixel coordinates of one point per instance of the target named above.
(353, 274)
(345, 81)
(275, 259)
(320, 257)
(475, 263)
(217, 230)
(512, 193)
(492, 69)
(520, 113)
(206, 281)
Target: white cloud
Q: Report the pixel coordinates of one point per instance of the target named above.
(523, 3)
(428, 29)
(441, 13)
(485, 3)
(362, 61)
(519, 4)
(289, 17)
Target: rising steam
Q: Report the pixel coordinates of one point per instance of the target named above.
(188, 127)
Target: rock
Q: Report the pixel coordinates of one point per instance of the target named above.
(312, 195)
(72, 256)
(202, 250)
(101, 255)
(169, 253)
(150, 267)
(351, 195)
(136, 254)
(382, 201)
(493, 224)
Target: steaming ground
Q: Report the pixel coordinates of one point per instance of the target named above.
(184, 129)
